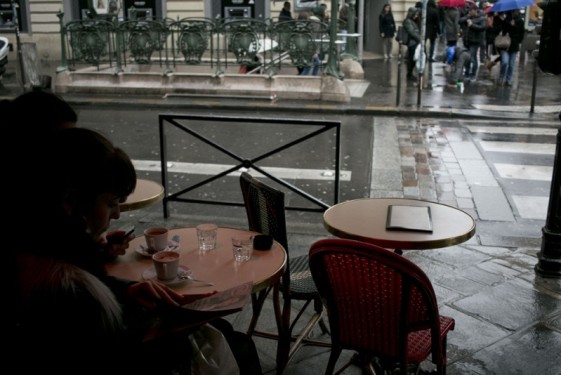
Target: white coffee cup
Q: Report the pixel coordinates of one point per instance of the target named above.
(166, 264)
(156, 238)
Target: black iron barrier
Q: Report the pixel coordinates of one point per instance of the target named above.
(245, 163)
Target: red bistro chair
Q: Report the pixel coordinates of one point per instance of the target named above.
(380, 305)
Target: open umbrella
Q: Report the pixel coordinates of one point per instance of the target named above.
(506, 5)
(452, 3)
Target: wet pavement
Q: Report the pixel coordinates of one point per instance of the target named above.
(467, 149)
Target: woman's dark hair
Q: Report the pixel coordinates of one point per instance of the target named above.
(88, 164)
(41, 111)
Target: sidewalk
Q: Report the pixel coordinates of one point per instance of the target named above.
(508, 320)
(377, 94)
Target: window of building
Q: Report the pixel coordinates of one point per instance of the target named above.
(12, 13)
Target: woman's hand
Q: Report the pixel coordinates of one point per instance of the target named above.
(116, 243)
(189, 298)
(151, 294)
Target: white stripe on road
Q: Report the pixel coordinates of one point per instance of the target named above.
(519, 147)
(214, 169)
(526, 172)
(511, 130)
(530, 207)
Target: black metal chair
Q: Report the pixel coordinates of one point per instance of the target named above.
(265, 210)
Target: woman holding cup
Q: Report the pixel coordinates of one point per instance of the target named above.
(66, 302)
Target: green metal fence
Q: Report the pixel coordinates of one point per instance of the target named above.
(249, 45)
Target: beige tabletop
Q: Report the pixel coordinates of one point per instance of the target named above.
(217, 266)
(147, 192)
(365, 220)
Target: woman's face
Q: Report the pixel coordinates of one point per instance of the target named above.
(105, 208)
(387, 8)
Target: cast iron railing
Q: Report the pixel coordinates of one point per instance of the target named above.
(260, 45)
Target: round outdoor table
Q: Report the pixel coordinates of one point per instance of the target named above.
(217, 266)
(365, 220)
(147, 192)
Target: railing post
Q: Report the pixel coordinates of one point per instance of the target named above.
(332, 63)
(352, 47)
(63, 59)
(117, 30)
(549, 258)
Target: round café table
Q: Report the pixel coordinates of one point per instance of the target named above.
(217, 266)
(365, 220)
(147, 192)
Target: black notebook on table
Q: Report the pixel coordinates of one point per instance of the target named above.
(409, 218)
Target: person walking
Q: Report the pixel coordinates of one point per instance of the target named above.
(497, 27)
(473, 25)
(412, 28)
(387, 30)
(452, 25)
(432, 27)
(513, 26)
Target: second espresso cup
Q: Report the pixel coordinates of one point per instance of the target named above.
(156, 238)
(166, 264)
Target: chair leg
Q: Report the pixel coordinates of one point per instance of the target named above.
(283, 326)
(257, 301)
(333, 357)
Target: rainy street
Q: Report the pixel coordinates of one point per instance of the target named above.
(499, 174)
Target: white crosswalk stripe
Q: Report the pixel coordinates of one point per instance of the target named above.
(527, 179)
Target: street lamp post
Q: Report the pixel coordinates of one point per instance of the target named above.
(549, 258)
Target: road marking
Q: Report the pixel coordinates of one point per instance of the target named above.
(518, 147)
(525, 172)
(511, 130)
(214, 169)
(530, 207)
(519, 108)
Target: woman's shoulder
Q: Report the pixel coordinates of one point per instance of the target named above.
(69, 288)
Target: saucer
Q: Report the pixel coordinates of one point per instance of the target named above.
(150, 274)
(143, 250)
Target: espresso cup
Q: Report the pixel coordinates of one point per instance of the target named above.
(156, 238)
(166, 264)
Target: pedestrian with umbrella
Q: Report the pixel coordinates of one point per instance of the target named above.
(513, 25)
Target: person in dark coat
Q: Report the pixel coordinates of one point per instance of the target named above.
(451, 23)
(412, 28)
(473, 25)
(514, 26)
(285, 13)
(432, 27)
(387, 30)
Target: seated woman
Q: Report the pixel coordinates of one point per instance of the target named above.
(67, 311)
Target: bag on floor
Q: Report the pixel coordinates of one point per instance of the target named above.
(211, 354)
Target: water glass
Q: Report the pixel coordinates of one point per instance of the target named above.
(206, 234)
(242, 247)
